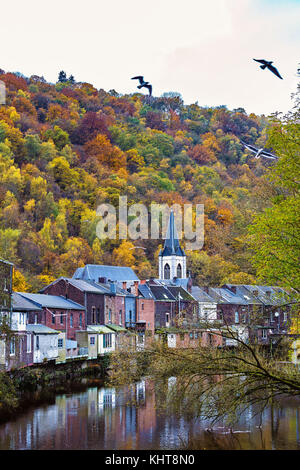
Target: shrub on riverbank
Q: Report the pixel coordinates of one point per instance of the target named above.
(23, 387)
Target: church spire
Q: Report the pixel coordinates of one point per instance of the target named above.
(172, 258)
(172, 246)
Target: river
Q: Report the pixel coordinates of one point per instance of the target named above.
(126, 418)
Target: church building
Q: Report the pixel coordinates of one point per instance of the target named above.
(172, 258)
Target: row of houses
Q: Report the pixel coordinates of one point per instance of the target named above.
(80, 318)
(102, 308)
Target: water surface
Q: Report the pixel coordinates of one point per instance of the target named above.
(126, 418)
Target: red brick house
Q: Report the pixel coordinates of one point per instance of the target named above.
(56, 312)
(103, 303)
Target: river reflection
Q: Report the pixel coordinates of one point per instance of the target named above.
(126, 418)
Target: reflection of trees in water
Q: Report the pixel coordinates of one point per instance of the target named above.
(127, 418)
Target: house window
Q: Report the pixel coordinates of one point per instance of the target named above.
(140, 339)
(93, 314)
(35, 319)
(53, 319)
(71, 320)
(167, 271)
(28, 343)
(284, 316)
(107, 340)
(80, 319)
(12, 347)
(60, 342)
(271, 317)
(130, 316)
(264, 333)
(37, 342)
(120, 317)
(92, 340)
(236, 317)
(61, 318)
(109, 315)
(142, 306)
(167, 317)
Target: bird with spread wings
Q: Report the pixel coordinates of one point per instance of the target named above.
(143, 83)
(268, 65)
(259, 152)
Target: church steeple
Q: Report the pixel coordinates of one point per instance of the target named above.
(172, 258)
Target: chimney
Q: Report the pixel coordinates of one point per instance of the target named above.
(136, 288)
(113, 287)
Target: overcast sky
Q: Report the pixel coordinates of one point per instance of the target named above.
(201, 49)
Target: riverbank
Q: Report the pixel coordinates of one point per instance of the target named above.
(31, 386)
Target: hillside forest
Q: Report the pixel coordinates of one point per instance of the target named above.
(67, 147)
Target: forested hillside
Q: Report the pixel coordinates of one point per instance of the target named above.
(67, 147)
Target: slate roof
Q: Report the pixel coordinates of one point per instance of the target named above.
(225, 296)
(93, 272)
(180, 291)
(172, 245)
(20, 304)
(41, 329)
(161, 292)
(51, 301)
(177, 281)
(268, 295)
(145, 291)
(201, 296)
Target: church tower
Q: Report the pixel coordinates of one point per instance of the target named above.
(172, 258)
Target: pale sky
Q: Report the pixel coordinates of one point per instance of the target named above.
(201, 49)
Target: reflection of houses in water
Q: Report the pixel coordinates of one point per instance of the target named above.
(140, 391)
(108, 418)
(106, 398)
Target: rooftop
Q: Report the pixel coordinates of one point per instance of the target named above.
(41, 329)
(20, 304)
(51, 301)
(94, 272)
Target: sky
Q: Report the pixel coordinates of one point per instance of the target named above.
(203, 50)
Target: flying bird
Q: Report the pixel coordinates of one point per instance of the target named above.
(269, 65)
(259, 152)
(143, 83)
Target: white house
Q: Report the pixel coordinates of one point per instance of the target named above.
(106, 338)
(207, 305)
(96, 340)
(45, 343)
